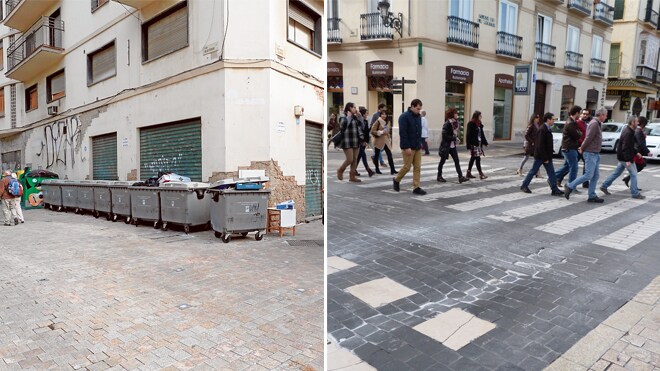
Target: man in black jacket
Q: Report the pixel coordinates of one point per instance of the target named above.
(640, 143)
(626, 155)
(410, 135)
(569, 146)
(543, 156)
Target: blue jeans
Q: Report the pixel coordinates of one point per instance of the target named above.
(570, 165)
(632, 170)
(591, 173)
(549, 168)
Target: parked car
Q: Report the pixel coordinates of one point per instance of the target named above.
(611, 134)
(653, 141)
(557, 129)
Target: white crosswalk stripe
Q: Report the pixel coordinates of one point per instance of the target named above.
(490, 201)
(631, 235)
(467, 191)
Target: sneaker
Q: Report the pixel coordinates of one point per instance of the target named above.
(15, 221)
(605, 191)
(585, 185)
(419, 191)
(8, 225)
(395, 185)
(525, 189)
(441, 179)
(639, 196)
(596, 199)
(567, 191)
(22, 221)
(557, 192)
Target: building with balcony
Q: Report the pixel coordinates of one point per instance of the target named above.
(633, 79)
(125, 89)
(463, 54)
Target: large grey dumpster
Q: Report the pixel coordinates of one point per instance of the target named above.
(238, 211)
(85, 196)
(121, 200)
(102, 198)
(185, 203)
(52, 193)
(145, 204)
(69, 194)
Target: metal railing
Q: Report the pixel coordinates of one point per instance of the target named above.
(645, 73)
(509, 45)
(463, 32)
(604, 13)
(334, 33)
(546, 54)
(11, 5)
(46, 32)
(573, 61)
(614, 69)
(597, 67)
(584, 6)
(372, 28)
(651, 16)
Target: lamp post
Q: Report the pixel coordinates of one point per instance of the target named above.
(388, 17)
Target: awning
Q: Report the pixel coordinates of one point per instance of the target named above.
(611, 102)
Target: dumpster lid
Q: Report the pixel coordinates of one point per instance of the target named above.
(51, 181)
(41, 174)
(120, 183)
(185, 185)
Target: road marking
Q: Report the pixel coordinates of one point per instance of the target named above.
(368, 183)
(530, 210)
(490, 201)
(467, 191)
(631, 235)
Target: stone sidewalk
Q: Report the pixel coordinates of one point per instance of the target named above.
(628, 340)
(85, 293)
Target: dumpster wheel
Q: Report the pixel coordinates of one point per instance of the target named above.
(259, 236)
(156, 224)
(108, 216)
(186, 228)
(217, 234)
(96, 214)
(164, 227)
(226, 238)
(127, 220)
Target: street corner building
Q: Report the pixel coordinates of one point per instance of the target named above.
(123, 89)
(505, 58)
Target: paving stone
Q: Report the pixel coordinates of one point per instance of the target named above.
(626, 317)
(444, 325)
(595, 344)
(380, 292)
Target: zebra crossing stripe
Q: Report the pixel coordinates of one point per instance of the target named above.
(631, 235)
(467, 191)
(531, 210)
(490, 201)
(367, 183)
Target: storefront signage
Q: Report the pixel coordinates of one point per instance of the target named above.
(488, 21)
(625, 103)
(522, 75)
(335, 69)
(504, 81)
(335, 78)
(380, 68)
(459, 74)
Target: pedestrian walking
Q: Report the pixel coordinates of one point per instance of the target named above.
(626, 153)
(350, 143)
(381, 107)
(17, 200)
(475, 140)
(543, 156)
(448, 145)
(582, 121)
(8, 211)
(569, 145)
(425, 133)
(381, 132)
(410, 138)
(530, 140)
(640, 142)
(590, 150)
(364, 140)
(332, 128)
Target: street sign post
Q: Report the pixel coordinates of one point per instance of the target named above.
(399, 87)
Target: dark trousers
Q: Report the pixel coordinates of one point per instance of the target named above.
(362, 155)
(425, 146)
(454, 155)
(549, 168)
(474, 159)
(390, 159)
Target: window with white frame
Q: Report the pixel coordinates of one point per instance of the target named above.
(648, 52)
(304, 27)
(544, 29)
(573, 39)
(461, 9)
(508, 20)
(597, 48)
(372, 6)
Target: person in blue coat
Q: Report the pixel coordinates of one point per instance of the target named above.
(410, 135)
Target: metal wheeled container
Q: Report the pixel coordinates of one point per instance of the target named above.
(102, 198)
(85, 196)
(121, 201)
(145, 204)
(52, 194)
(184, 203)
(237, 211)
(69, 195)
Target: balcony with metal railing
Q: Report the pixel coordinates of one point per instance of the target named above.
(582, 7)
(545, 54)
(573, 61)
(651, 17)
(372, 28)
(463, 32)
(614, 69)
(645, 73)
(509, 45)
(604, 13)
(137, 4)
(334, 32)
(37, 50)
(21, 14)
(597, 67)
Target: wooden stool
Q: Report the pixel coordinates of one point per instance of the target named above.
(281, 220)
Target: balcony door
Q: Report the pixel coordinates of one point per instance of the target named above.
(573, 39)
(597, 48)
(54, 32)
(544, 29)
(615, 55)
(508, 20)
(461, 9)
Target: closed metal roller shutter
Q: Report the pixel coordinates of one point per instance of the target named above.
(166, 34)
(104, 157)
(314, 169)
(173, 148)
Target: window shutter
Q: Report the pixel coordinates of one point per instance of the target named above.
(167, 34)
(300, 16)
(57, 86)
(103, 63)
(618, 9)
(2, 101)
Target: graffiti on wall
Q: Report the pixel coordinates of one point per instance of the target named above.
(164, 163)
(58, 145)
(313, 177)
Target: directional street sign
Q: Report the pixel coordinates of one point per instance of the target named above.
(397, 92)
(404, 81)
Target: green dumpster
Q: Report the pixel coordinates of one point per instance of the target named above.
(31, 181)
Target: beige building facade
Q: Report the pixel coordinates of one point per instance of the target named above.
(464, 54)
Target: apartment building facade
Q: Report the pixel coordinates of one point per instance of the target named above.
(123, 89)
(633, 79)
(463, 53)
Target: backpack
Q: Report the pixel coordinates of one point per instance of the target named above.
(14, 188)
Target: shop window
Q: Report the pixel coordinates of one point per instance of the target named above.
(31, 98)
(98, 3)
(165, 33)
(567, 101)
(55, 86)
(502, 109)
(305, 27)
(102, 64)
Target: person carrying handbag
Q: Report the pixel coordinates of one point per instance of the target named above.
(381, 133)
(349, 127)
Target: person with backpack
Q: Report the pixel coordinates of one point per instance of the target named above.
(17, 199)
(8, 211)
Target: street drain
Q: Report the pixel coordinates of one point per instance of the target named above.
(305, 243)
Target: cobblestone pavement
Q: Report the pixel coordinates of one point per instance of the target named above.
(84, 293)
(479, 275)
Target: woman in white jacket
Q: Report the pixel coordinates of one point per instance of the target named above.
(425, 133)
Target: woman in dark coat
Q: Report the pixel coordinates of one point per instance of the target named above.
(530, 139)
(475, 140)
(350, 143)
(448, 145)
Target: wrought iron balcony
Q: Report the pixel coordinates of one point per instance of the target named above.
(463, 32)
(651, 17)
(573, 61)
(334, 33)
(372, 28)
(38, 49)
(582, 6)
(509, 45)
(21, 14)
(545, 54)
(645, 73)
(597, 67)
(604, 13)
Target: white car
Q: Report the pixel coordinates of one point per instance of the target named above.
(611, 133)
(653, 141)
(557, 129)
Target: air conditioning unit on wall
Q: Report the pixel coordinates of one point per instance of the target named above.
(52, 110)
